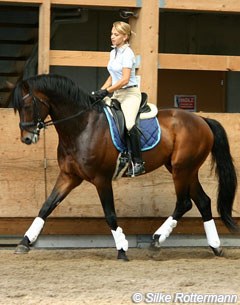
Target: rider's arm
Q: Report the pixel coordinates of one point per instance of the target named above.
(107, 83)
(126, 72)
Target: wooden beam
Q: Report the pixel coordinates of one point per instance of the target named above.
(44, 37)
(165, 61)
(22, 1)
(96, 226)
(110, 3)
(199, 62)
(81, 58)
(78, 58)
(203, 5)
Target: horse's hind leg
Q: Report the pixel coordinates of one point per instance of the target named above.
(62, 188)
(203, 203)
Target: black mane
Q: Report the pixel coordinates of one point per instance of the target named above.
(55, 86)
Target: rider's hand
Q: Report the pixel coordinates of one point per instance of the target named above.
(100, 94)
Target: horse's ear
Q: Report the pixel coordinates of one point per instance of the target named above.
(10, 85)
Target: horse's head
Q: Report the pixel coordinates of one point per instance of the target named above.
(36, 96)
(33, 108)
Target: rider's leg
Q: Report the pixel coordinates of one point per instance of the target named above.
(130, 100)
(138, 164)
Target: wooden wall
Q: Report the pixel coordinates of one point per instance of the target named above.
(21, 170)
(26, 173)
(24, 178)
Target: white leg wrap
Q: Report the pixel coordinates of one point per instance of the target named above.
(166, 228)
(35, 229)
(120, 240)
(211, 233)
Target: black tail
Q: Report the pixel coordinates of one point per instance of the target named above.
(225, 170)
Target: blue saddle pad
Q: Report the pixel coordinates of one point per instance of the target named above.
(150, 129)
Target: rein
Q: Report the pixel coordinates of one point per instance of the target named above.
(51, 122)
(38, 122)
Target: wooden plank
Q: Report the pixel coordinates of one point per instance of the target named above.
(199, 62)
(21, 170)
(44, 37)
(22, 1)
(98, 226)
(22, 195)
(203, 5)
(78, 58)
(81, 58)
(107, 3)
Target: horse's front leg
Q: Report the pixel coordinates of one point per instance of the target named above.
(64, 184)
(105, 193)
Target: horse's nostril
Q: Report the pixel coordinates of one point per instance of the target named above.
(27, 140)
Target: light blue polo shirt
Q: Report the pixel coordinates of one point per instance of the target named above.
(120, 58)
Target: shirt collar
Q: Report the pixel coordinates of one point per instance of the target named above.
(122, 48)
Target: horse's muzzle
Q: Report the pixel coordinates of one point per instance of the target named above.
(30, 138)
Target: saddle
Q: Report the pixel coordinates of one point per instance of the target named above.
(119, 117)
(146, 122)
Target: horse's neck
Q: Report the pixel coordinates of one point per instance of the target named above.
(70, 124)
(61, 111)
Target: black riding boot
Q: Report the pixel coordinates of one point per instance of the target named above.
(135, 145)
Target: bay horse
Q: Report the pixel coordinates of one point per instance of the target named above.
(86, 152)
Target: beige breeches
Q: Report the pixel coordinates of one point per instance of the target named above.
(130, 100)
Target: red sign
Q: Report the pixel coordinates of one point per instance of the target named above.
(187, 102)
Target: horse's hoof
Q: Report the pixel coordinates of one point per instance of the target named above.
(21, 249)
(217, 251)
(156, 242)
(122, 255)
(154, 247)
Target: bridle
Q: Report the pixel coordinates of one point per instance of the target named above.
(37, 120)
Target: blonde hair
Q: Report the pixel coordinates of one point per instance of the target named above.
(123, 28)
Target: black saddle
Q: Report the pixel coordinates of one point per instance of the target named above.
(119, 117)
